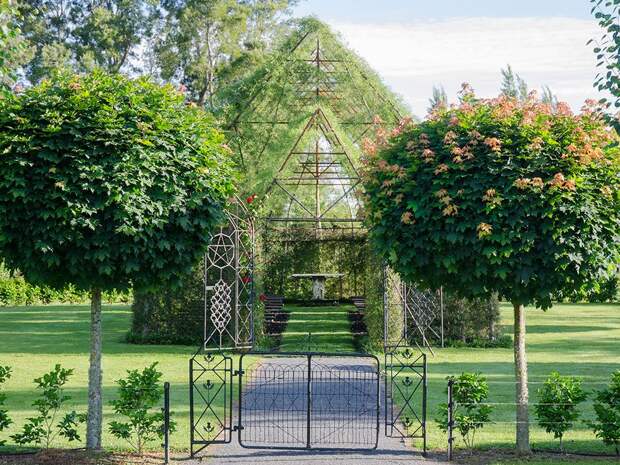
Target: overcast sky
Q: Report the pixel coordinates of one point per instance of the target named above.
(415, 44)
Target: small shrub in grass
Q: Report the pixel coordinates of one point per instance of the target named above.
(607, 410)
(5, 420)
(139, 393)
(43, 428)
(469, 392)
(558, 400)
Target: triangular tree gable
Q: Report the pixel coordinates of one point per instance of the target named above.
(298, 122)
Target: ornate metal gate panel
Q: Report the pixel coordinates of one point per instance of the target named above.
(409, 315)
(309, 401)
(412, 316)
(229, 283)
(405, 394)
(210, 399)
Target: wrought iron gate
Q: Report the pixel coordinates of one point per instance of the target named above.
(405, 394)
(309, 401)
(210, 399)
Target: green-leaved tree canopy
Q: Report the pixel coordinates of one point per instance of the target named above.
(107, 182)
(499, 196)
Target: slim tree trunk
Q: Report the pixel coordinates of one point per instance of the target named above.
(523, 427)
(95, 404)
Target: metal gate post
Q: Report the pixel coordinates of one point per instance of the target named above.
(450, 419)
(191, 407)
(166, 425)
(309, 407)
(424, 398)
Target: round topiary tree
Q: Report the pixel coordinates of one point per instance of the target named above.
(500, 196)
(107, 182)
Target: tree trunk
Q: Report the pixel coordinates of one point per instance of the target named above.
(95, 404)
(523, 427)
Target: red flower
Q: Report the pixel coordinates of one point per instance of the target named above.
(251, 198)
(262, 297)
(246, 279)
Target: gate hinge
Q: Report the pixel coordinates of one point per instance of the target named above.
(238, 372)
(238, 428)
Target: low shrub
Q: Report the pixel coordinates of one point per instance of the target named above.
(139, 393)
(471, 321)
(607, 410)
(470, 392)
(43, 429)
(5, 420)
(558, 399)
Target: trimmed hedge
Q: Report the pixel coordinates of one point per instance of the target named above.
(169, 315)
(16, 291)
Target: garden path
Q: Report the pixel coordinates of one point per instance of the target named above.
(344, 402)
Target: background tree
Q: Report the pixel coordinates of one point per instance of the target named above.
(499, 196)
(549, 98)
(107, 182)
(513, 85)
(439, 98)
(13, 47)
(201, 39)
(607, 47)
(80, 35)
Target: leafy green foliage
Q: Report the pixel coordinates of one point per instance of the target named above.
(43, 429)
(607, 410)
(469, 393)
(107, 181)
(5, 420)
(138, 394)
(606, 48)
(558, 400)
(498, 196)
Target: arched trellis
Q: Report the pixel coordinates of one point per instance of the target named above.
(229, 282)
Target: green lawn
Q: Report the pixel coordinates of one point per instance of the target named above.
(575, 339)
(581, 340)
(324, 329)
(34, 339)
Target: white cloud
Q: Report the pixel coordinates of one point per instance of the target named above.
(544, 51)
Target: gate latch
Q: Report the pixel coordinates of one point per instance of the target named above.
(238, 428)
(238, 372)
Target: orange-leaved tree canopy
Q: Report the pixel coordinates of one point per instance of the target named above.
(496, 195)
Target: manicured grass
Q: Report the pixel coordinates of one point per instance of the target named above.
(583, 340)
(34, 339)
(324, 329)
(580, 340)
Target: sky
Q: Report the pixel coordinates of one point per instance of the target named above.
(416, 44)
